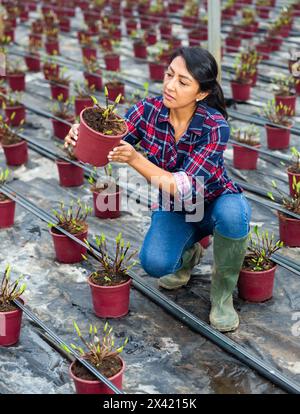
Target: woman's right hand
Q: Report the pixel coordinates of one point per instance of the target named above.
(72, 136)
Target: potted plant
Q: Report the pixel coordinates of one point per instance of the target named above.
(15, 148)
(241, 85)
(110, 282)
(59, 85)
(228, 10)
(92, 74)
(15, 75)
(70, 175)
(14, 109)
(106, 195)
(158, 64)
(263, 8)
(101, 352)
(248, 25)
(139, 45)
(115, 86)
(294, 171)
(285, 94)
(190, 14)
(165, 29)
(233, 41)
(289, 227)
(32, 60)
(73, 220)
(245, 158)
(100, 131)
(278, 137)
(52, 42)
(83, 96)
(112, 59)
(7, 206)
(50, 68)
(256, 279)
(131, 26)
(61, 109)
(11, 315)
(88, 48)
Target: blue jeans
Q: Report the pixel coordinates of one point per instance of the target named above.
(170, 235)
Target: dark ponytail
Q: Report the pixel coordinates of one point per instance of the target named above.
(203, 67)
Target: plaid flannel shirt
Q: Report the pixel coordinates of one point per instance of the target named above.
(198, 153)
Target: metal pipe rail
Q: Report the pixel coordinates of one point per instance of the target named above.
(221, 340)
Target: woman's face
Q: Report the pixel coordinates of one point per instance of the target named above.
(180, 89)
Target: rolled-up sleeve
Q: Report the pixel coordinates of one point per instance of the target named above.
(133, 119)
(202, 164)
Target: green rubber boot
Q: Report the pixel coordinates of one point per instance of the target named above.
(190, 258)
(228, 259)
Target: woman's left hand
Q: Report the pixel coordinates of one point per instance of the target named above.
(123, 153)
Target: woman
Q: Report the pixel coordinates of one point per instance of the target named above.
(185, 133)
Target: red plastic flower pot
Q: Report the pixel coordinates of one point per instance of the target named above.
(10, 326)
(70, 175)
(277, 138)
(245, 158)
(50, 70)
(107, 205)
(291, 175)
(93, 147)
(256, 286)
(66, 249)
(10, 34)
(82, 103)
(94, 79)
(89, 53)
(241, 91)
(189, 21)
(110, 301)
(205, 242)
(150, 38)
(263, 12)
(140, 50)
(289, 101)
(96, 387)
(116, 34)
(131, 26)
(232, 44)
(16, 154)
(289, 230)
(7, 213)
(112, 62)
(60, 129)
(15, 120)
(57, 90)
(105, 43)
(35, 39)
(65, 25)
(157, 71)
(52, 48)
(33, 63)
(165, 31)
(16, 81)
(114, 89)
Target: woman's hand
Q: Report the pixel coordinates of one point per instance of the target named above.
(72, 136)
(123, 153)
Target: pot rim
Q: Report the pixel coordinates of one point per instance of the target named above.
(108, 287)
(9, 200)
(260, 272)
(99, 134)
(283, 127)
(14, 145)
(15, 310)
(11, 108)
(234, 144)
(63, 235)
(73, 376)
(291, 173)
(283, 218)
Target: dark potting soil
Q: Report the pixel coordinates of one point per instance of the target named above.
(70, 229)
(247, 265)
(94, 119)
(109, 368)
(7, 307)
(99, 187)
(3, 197)
(10, 139)
(115, 279)
(294, 170)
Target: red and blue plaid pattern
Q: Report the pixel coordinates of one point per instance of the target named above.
(198, 153)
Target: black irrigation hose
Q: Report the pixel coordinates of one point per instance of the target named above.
(60, 342)
(221, 340)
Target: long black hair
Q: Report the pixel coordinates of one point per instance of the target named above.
(203, 67)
